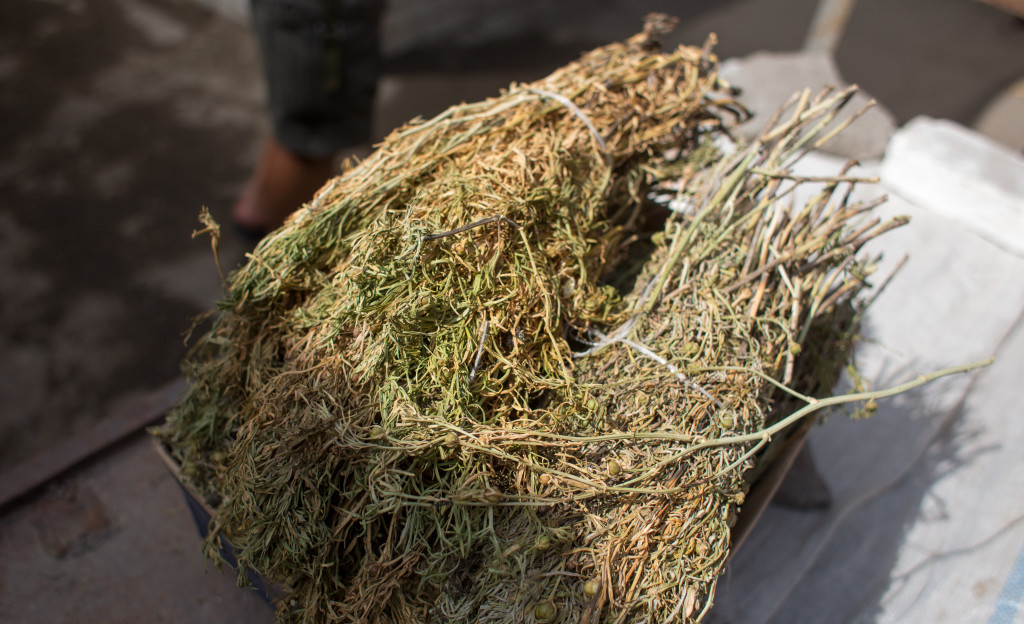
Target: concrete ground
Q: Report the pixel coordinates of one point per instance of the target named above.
(119, 119)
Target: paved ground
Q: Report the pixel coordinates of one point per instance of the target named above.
(118, 124)
(114, 544)
(120, 118)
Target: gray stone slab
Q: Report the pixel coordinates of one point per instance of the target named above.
(769, 79)
(1002, 120)
(960, 174)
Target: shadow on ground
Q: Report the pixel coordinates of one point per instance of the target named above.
(116, 130)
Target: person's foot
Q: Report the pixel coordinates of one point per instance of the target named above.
(281, 182)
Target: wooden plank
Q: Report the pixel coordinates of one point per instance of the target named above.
(24, 478)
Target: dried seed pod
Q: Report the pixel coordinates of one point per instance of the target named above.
(614, 468)
(730, 516)
(545, 612)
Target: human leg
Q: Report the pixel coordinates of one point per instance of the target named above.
(321, 61)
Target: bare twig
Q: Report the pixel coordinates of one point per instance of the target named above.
(470, 226)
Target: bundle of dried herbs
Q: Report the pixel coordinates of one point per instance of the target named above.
(482, 378)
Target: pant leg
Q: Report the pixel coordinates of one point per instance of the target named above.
(321, 61)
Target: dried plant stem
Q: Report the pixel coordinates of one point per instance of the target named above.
(391, 413)
(816, 405)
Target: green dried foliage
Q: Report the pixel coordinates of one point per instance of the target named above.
(423, 399)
